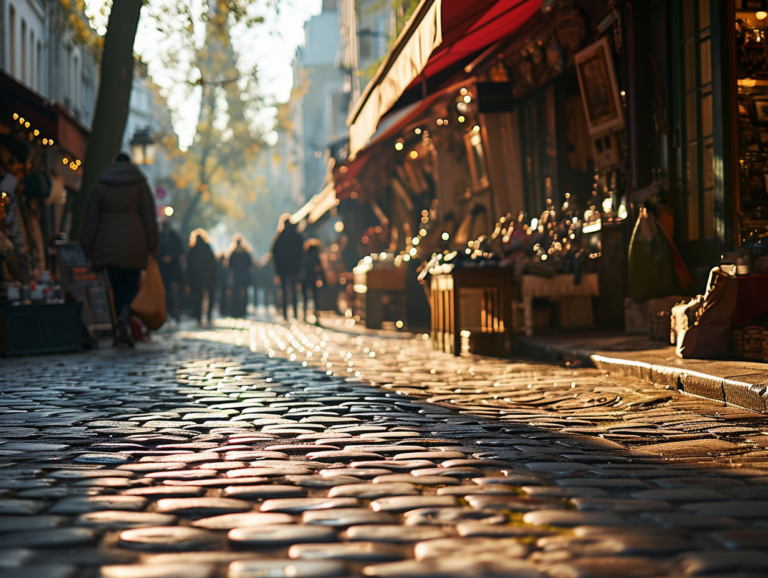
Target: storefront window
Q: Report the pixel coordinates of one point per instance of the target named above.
(752, 80)
(697, 118)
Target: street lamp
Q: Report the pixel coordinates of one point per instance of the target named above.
(143, 147)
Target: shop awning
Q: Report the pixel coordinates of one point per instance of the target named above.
(441, 33)
(51, 119)
(317, 206)
(389, 127)
(73, 136)
(15, 98)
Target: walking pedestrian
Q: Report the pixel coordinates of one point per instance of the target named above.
(120, 233)
(222, 281)
(201, 272)
(266, 281)
(240, 269)
(255, 280)
(314, 276)
(170, 257)
(287, 252)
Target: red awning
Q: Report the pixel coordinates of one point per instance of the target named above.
(442, 33)
(470, 27)
(345, 173)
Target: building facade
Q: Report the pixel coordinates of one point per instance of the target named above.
(320, 106)
(40, 50)
(148, 113)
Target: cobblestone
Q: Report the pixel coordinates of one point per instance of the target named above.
(261, 449)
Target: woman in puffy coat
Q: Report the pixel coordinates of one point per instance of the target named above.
(120, 233)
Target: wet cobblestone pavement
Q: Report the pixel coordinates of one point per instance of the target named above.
(261, 450)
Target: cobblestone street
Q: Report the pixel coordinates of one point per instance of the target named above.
(263, 450)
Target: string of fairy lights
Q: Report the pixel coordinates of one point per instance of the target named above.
(550, 237)
(34, 134)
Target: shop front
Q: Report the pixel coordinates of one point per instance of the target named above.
(494, 162)
(41, 307)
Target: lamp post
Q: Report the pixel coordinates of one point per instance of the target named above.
(143, 147)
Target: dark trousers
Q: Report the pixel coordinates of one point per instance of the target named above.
(197, 302)
(173, 298)
(125, 286)
(307, 288)
(239, 301)
(289, 283)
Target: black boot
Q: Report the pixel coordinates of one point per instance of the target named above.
(124, 333)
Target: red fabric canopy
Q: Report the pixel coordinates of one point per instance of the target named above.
(389, 127)
(470, 27)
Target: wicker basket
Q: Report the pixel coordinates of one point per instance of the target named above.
(765, 344)
(737, 342)
(660, 326)
(753, 343)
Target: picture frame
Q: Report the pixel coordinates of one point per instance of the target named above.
(599, 90)
(473, 142)
(760, 109)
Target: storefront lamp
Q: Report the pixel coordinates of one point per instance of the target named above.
(761, 15)
(143, 147)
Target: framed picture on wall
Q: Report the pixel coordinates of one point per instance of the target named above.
(599, 90)
(760, 104)
(476, 155)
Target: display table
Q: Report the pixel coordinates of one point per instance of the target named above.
(34, 329)
(475, 301)
(533, 286)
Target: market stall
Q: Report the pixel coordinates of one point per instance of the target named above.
(40, 150)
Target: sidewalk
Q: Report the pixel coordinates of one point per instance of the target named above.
(739, 383)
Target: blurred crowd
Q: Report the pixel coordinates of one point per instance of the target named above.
(199, 279)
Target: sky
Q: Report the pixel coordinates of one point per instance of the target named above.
(270, 46)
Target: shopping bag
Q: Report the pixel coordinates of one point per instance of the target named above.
(655, 267)
(149, 305)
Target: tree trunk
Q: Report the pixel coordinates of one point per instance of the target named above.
(115, 80)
